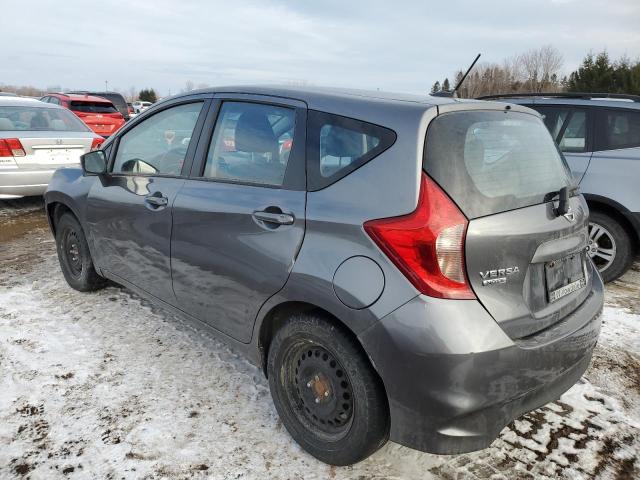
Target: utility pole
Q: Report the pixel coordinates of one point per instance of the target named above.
(106, 86)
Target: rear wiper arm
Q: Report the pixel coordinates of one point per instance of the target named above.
(563, 198)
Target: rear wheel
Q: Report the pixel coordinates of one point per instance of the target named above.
(610, 246)
(327, 394)
(74, 256)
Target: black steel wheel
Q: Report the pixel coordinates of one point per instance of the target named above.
(326, 392)
(319, 386)
(74, 255)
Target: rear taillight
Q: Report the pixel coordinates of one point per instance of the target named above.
(96, 143)
(428, 244)
(11, 147)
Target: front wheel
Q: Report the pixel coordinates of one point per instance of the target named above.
(327, 394)
(610, 246)
(74, 256)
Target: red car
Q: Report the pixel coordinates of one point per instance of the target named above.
(98, 113)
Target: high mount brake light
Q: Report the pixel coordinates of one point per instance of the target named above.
(427, 245)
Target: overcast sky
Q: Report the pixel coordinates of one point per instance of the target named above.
(391, 45)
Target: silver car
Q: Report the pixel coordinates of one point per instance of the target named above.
(35, 139)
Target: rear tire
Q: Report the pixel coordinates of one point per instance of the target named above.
(327, 394)
(610, 246)
(74, 256)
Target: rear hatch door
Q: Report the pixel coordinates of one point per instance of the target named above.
(525, 260)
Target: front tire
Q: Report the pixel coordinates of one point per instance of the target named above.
(610, 246)
(327, 394)
(74, 256)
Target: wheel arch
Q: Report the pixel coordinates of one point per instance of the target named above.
(279, 313)
(618, 212)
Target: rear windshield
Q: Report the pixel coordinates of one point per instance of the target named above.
(493, 161)
(93, 107)
(13, 119)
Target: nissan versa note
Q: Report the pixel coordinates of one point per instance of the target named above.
(408, 268)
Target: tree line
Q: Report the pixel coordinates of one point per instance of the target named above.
(540, 70)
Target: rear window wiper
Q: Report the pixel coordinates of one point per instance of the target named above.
(563, 198)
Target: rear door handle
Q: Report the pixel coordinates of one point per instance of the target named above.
(278, 218)
(157, 200)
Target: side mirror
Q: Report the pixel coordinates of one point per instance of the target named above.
(94, 163)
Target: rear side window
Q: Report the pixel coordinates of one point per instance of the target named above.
(491, 162)
(568, 127)
(251, 143)
(618, 129)
(93, 107)
(338, 145)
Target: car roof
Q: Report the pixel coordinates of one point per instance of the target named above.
(78, 97)
(583, 99)
(28, 102)
(373, 105)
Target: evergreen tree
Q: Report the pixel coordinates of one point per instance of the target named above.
(445, 85)
(436, 87)
(147, 95)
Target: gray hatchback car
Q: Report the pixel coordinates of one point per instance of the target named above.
(402, 267)
(599, 135)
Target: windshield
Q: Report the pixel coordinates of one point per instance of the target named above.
(93, 107)
(493, 161)
(39, 118)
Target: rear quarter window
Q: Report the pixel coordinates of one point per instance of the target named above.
(337, 145)
(618, 128)
(493, 161)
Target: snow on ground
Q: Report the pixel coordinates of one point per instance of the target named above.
(104, 385)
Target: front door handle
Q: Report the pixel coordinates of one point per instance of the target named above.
(157, 200)
(278, 218)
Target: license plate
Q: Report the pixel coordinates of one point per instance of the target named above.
(565, 276)
(567, 289)
(59, 155)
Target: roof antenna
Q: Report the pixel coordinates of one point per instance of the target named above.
(453, 93)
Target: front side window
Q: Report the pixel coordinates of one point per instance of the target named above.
(251, 143)
(491, 162)
(568, 127)
(338, 145)
(159, 144)
(621, 129)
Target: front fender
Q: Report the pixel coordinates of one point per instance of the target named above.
(69, 187)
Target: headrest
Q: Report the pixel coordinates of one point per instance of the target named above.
(342, 142)
(6, 124)
(57, 124)
(254, 134)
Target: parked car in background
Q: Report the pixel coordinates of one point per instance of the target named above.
(114, 97)
(402, 267)
(599, 135)
(140, 106)
(97, 112)
(35, 139)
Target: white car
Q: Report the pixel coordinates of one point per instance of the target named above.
(36, 138)
(139, 106)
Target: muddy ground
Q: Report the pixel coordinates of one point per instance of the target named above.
(104, 385)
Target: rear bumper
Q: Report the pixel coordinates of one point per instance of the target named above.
(22, 182)
(454, 379)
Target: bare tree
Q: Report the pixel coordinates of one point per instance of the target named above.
(535, 71)
(188, 86)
